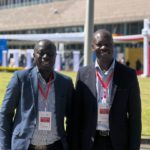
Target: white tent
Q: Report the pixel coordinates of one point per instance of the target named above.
(56, 37)
(79, 38)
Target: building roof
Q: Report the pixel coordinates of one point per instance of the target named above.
(72, 13)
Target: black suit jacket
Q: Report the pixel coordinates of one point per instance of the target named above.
(125, 112)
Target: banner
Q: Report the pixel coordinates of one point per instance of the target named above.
(3, 46)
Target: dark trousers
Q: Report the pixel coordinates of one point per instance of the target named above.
(102, 143)
(55, 146)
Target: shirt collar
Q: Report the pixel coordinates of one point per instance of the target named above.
(111, 68)
(41, 78)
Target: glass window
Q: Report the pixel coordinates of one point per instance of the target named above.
(108, 27)
(133, 28)
(140, 27)
(80, 29)
(17, 3)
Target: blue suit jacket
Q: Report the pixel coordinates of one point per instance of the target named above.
(19, 109)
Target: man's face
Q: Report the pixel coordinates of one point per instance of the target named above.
(103, 46)
(44, 56)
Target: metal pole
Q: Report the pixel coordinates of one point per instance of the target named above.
(88, 31)
(145, 47)
(145, 69)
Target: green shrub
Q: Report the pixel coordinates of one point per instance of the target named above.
(10, 69)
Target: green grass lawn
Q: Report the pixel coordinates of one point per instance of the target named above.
(145, 96)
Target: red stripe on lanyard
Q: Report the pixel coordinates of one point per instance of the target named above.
(104, 85)
(45, 94)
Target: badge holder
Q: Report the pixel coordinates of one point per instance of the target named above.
(103, 114)
(45, 119)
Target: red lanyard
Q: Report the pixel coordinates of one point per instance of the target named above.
(45, 94)
(104, 85)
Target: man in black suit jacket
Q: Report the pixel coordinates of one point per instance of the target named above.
(107, 112)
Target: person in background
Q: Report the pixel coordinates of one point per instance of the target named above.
(128, 63)
(23, 60)
(107, 108)
(139, 67)
(35, 105)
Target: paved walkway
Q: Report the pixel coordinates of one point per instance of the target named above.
(145, 147)
(145, 143)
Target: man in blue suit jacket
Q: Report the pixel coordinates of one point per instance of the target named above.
(35, 104)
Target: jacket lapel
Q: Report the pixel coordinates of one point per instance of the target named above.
(113, 92)
(57, 100)
(34, 87)
(91, 79)
(115, 82)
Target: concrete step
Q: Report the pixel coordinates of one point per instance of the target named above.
(145, 140)
(145, 147)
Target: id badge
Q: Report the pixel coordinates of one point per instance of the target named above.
(103, 114)
(45, 119)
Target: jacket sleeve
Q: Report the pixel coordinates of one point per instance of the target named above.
(70, 97)
(77, 116)
(134, 115)
(7, 112)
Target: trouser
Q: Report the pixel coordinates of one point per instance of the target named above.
(55, 146)
(102, 142)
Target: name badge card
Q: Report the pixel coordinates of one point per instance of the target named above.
(103, 114)
(45, 120)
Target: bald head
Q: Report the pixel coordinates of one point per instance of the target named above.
(102, 34)
(45, 44)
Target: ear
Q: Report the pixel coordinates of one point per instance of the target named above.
(93, 44)
(33, 54)
(93, 47)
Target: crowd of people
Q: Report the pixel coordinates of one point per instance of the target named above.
(102, 111)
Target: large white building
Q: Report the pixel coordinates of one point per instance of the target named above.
(123, 17)
(120, 17)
